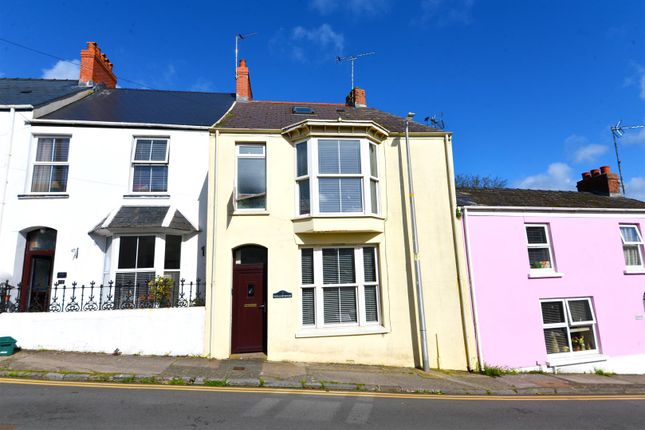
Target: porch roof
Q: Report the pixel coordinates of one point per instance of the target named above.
(130, 219)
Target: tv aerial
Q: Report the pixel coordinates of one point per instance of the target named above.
(239, 37)
(617, 131)
(435, 122)
(352, 59)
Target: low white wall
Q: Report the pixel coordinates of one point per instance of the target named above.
(173, 331)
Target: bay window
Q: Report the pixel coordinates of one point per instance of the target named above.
(337, 176)
(339, 287)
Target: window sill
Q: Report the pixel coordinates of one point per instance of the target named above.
(146, 196)
(537, 274)
(250, 212)
(575, 359)
(339, 224)
(29, 196)
(341, 331)
(634, 271)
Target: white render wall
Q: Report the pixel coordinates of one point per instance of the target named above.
(171, 331)
(99, 181)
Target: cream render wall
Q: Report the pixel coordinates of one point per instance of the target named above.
(399, 342)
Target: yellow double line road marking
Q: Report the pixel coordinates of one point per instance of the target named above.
(305, 392)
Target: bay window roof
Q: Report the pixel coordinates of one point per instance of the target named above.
(144, 219)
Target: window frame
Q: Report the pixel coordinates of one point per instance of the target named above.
(134, 163)
(359, 284)
(569, 324)
(238, 145)
(548, 245)
(638, 245)
(314, 176)
(34, 162)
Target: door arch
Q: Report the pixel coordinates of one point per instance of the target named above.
(249, 322)
(37, 269)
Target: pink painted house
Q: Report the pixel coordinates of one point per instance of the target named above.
(557, 278)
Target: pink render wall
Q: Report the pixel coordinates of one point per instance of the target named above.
(587, 250)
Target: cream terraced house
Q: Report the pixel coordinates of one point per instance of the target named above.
(309, 249)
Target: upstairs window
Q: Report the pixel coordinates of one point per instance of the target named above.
(51, 165)
(632, 245)
(150, 165)
(341, 174)
(539, 247)
(251, 185)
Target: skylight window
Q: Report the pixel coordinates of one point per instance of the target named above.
(302, 110)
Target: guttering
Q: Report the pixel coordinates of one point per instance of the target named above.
(473, 295)
(16, 107)
(547, 209)
(82, 123)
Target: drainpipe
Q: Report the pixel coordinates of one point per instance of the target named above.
(211, 239)
(5, 184)
(456, 249)
(473, 296)
(417, 259)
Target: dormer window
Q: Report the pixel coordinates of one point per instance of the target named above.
(340, 174)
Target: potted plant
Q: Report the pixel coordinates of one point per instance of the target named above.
(160, 290)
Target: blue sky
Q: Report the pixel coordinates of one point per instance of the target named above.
(529, 88)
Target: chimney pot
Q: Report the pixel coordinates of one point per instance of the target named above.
(356, 98)
(600, 181)
(96, 68)
(243, 91)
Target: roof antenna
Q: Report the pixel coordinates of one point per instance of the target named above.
(239, 37)
(617, 132)
(435, 122)
(352, 59)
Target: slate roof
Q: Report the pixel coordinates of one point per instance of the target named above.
(505, 197)
(36, 92)
(148, 106)
(144, 217)
(277, 115)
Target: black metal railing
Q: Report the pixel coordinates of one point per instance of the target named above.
(92, 297)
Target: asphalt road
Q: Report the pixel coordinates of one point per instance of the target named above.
(77, 407)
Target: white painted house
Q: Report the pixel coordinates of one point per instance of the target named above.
(108, 187)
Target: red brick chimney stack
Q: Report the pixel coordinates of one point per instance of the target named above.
(356, 98)
(600, 181)
(96, 68)
(243, 91)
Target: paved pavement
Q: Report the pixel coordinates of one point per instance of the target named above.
(254, 372)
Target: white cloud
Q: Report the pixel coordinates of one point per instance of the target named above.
(557, 177)
(635, 188)
(63, 70)
(355, 7)
(203, 85)
(634, 137)
(589, 153)
(446, 12)
(323, 36)
(582, 151)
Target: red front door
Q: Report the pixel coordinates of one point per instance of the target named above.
(249, 308)
(37, 270)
